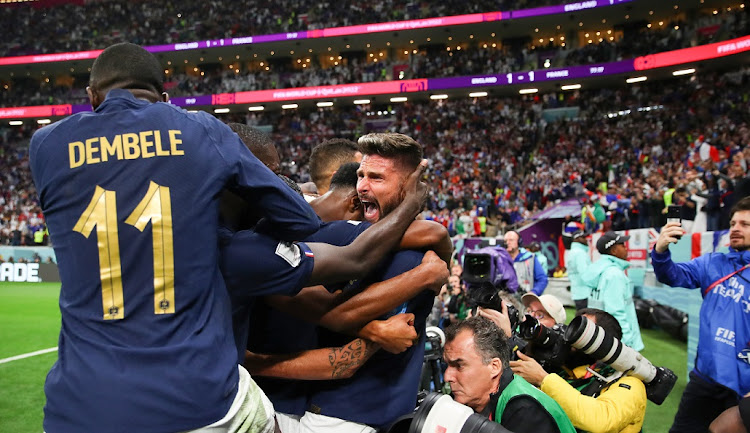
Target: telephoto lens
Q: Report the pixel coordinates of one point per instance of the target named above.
(585, 335)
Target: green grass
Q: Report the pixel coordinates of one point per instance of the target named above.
(29, 321)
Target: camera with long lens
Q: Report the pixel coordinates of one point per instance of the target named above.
(487, 295)
(439, 413)
(547, 346)
(585, 335)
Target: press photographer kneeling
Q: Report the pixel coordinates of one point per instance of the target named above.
(593, 394)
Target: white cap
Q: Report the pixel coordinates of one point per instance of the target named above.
(551, 305)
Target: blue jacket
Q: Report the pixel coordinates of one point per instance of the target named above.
(525, 260)
(724, 336)
(612, 291)
(578, 262)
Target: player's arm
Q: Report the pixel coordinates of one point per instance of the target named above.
(334, 311)
(334, 264)
(318, 364)
(286, 214)
(428, 235)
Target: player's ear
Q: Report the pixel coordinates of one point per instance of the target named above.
(353, 203)
(93, 97)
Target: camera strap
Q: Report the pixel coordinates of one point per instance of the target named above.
(724, 278)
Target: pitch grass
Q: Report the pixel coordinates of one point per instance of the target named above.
(30, 321)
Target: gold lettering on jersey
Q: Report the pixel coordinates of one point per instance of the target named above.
(143, 144)
(174, 141)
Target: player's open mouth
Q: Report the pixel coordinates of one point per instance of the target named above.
(371, 211)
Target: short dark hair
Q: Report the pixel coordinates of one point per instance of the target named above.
(345, 176)
(392, 145)
(607, 321)
(742, 205)
(489, 340)
(126, 66)
(328, 154)
(259, 143)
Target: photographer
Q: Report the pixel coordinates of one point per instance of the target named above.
(479, 374)
(592, 404)
(722, 366)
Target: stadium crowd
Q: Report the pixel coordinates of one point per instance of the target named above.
(429, 62)
(153, 23)
(500, 157)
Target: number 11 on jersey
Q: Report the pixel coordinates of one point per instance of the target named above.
(156, 208)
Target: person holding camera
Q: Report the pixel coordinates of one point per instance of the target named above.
(611, 289)
(592, 404)
(479, 373)
(722, 365)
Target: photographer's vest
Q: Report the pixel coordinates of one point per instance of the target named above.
(519, 386)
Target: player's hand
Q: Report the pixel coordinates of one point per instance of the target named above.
(529, 369)
(415, 191)
(396, 334)
(500, 318)
(669, 235)
(436, 271)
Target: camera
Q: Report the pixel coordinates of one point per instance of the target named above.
(486, 295)
(490, 264)
(585, 335)
(439, 413)
(547, 346)
(434, 342)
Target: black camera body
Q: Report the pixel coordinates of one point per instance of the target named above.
(486, 295)
(547, 346)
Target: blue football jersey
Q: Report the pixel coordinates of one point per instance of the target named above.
(130, 194)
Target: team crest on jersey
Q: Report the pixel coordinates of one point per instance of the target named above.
(290, 252)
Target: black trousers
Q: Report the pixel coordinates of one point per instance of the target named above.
(581, 304)
(701, 403)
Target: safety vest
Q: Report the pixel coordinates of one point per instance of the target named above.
(519, 386)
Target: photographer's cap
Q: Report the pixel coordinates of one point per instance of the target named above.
(550, 303)
(608, 240)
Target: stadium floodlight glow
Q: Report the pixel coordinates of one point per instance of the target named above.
(399, 99)
(289, 106)
(15, 123)
(477, 94)
(325, 104)
(636, 79)
(361, 101)
(527, 91)
(43, 121)
(441, 96)
(256, 108)
(221, 110)
(683, 72)
(571, 87)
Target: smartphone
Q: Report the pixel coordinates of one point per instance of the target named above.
(673, 215)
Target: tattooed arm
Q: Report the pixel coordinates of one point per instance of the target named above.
(319, 364)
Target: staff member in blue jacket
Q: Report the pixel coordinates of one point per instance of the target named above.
(722, 365)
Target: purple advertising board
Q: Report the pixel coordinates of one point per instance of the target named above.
(561, 9)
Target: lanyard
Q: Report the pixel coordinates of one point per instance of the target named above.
(724, 278)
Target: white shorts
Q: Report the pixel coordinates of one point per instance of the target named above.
(251, 411)
(313, 423)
